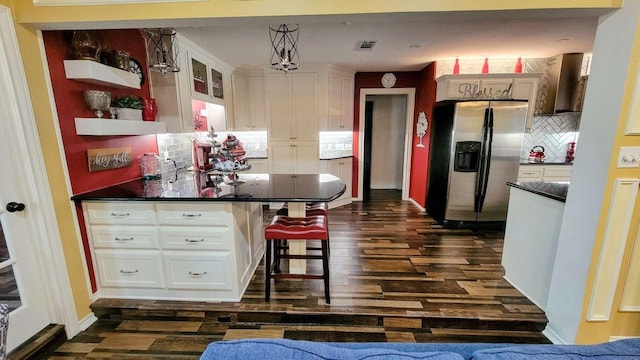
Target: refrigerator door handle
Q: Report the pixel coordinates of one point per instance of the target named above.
(487, 163)
(480, 178)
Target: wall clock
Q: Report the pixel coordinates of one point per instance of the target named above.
(136, 68)
(388, 80)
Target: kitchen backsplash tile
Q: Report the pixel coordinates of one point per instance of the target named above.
(554, 133)
(335, 144)
(179, 148)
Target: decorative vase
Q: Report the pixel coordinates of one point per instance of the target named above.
(97, 100)
(149, 109)
(121, 59)
(86, 45)
(485, 66)
(518, 68)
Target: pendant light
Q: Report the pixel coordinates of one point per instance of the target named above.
(284, 47)
(162, 50)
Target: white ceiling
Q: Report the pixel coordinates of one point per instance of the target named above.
(332, 39)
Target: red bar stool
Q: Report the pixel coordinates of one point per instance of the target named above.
(311, 209)
(289, 228)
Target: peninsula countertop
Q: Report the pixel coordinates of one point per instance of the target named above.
(184, 185)
(553, 190)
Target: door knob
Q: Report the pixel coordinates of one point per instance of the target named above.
(14, 206)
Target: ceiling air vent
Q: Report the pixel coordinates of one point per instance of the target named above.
(366, 45)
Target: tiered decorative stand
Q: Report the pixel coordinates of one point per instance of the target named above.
(228, 159)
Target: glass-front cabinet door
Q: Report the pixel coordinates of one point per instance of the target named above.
(199, 77)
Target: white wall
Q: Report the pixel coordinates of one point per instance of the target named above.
(611, 56)
(387, 147)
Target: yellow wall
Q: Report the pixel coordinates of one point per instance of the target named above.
(620, 323)
(31, 58)
(47, 17)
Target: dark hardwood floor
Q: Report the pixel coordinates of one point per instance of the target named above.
(395, 276)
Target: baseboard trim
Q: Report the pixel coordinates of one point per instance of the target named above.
(553, 336)
(417, 205)
(87, 321)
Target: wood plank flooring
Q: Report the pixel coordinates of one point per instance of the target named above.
(396, 275)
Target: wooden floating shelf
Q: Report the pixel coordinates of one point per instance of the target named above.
(105, 127)
(93, 72)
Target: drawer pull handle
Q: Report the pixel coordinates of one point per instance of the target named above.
(123, 239)
(192, 241)
(128, 272)
(120, 215)
(197, 274)
(528, 173)
(191, 215)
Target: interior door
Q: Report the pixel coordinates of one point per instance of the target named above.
(21, 286)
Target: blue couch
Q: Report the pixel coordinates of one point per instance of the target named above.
(282, 349)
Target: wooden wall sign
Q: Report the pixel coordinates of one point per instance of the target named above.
(112, 158)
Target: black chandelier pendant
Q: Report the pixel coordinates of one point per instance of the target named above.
(284, 47)
(162, 50)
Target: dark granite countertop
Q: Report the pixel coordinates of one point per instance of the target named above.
(183, 185)
(339, 157)
(552, 190)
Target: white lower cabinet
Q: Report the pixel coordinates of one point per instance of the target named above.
(342, 169)
(140, 268)
(195, 270)
(298, 157)
(544, 173)
(174, 250)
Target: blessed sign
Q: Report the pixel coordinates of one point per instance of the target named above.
(112, 158)
(473, 91)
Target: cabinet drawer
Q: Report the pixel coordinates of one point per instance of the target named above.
(196, 271)
(122, 212)
(196, 238)
(125, 237)
(529, 172)
(194, 214)
(129, 269)
(557, 171)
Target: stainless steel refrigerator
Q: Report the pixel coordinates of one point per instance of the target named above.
(475, 150)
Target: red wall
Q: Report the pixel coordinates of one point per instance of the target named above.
(425, 99)
(424, 83)
(69, 104)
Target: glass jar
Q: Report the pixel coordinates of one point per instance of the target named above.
(150, 166)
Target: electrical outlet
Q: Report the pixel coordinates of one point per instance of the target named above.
(629, 157)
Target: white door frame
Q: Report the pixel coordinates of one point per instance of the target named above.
(25, 140)
(408, 137)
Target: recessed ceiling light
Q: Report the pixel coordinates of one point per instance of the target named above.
(414, 46)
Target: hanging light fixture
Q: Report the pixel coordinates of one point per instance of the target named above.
(162, 50)
(284, 47)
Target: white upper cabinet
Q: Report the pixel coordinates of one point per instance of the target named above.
(292, 103)
(202, 77)
(341, 88)
(248, 100)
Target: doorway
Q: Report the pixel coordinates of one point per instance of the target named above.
(393, 108)
(384, 138)
(32, 279)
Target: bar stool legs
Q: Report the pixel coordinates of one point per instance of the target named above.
(288, 228)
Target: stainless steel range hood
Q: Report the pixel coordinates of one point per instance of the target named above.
(561, 87)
